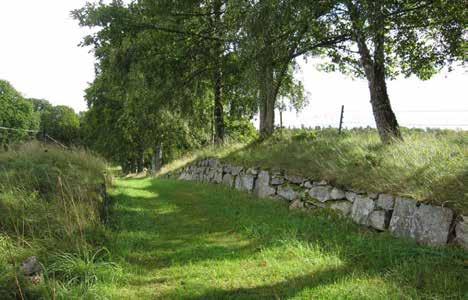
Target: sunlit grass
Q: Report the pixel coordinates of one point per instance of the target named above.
(194, 241)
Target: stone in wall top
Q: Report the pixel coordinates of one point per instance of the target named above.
(385, 201)
(326, 193)
(287, 193)
(294, 179)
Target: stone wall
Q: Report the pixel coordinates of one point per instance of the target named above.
(403, 217)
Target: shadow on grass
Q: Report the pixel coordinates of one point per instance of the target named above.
(187, 223)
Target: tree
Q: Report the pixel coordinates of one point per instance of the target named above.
(16, 115)
(273, 34)
(62, 124)
(393, 37)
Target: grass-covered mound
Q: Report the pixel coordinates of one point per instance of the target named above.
(51, 206)
(430, 166)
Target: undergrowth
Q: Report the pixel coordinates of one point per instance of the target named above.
(51, 207)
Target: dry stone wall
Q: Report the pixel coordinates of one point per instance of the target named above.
(427, 224)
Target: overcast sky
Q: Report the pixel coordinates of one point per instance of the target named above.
(39, 55)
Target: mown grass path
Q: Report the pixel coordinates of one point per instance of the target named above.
(178, 240)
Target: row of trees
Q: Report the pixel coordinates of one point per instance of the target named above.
(22, 118)
(186, 73)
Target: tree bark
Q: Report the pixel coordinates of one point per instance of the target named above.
(267, 100)
(385, 119)
(157, 159)
(218, 108)
(218, 77)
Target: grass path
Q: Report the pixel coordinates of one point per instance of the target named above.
(177, 240)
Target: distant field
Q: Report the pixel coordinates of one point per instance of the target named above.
(428, 166)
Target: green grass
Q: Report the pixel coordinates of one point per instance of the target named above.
(50, 207)
(428, 166)
(179, 240)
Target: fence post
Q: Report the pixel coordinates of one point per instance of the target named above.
(341, 119)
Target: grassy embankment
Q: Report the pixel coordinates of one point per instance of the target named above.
(50, 207)
(428, 166)
(182, 240)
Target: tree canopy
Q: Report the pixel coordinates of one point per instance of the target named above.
(175, 75)
(17, 117)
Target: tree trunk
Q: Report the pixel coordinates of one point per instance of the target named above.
(281, 118)
(218, 76)
(385, 119)
(267, 101)
(157, 159)
(218, 108)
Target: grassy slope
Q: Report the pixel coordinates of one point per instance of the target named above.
(178, 240)
(50, 208)
(427, 166)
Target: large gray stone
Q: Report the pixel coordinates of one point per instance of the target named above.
(337, 194)
(287, 193)
(235, 170)
(362, 208)
(228, 180)
(31, 266)
(326, 193)
(262, 186)
(212, 162)
(351, 196)
(344, 207)
(378, 219)
(307, 185)
(245, 182)
(461, 232)
(426, 224)
(277, 180)
(385, 202)
(294, 179)
(321, 193)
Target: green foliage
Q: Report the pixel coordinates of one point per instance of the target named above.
(419, 37)
(304, 135)
(62, 123)
(241, 131)
(16, 113)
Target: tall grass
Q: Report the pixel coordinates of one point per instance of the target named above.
(50, 206)
(429, 166)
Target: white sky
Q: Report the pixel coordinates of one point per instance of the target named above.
(40, 57)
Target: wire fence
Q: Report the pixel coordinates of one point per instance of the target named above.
(34, 134)
(441, 119)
